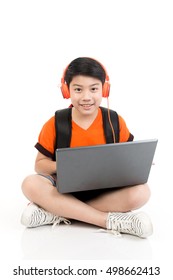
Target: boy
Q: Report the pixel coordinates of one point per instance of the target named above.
(85, 82)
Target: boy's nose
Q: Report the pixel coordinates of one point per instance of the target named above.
(86, 95)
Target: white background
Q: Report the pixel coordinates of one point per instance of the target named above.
(132, 39)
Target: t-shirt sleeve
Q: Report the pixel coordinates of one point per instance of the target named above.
(46, 139)
(125, 134)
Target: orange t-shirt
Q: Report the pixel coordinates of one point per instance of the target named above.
(94, 135)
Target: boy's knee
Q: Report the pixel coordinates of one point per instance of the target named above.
(34, 186)
(138, 196)
(28, 184)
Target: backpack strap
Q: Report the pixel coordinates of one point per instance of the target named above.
(63, 128)
(107, 126)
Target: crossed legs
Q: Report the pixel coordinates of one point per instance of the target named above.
(39, 190)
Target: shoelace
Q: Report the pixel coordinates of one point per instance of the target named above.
(117, 226)
(124, 226)
(111, 231)
(42, 217)
(58, 220)
(129, 224)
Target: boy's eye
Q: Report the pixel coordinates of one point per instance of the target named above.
(77, 90)
(94, 88)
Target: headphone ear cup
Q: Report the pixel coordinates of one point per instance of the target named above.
(106, 89)
(65, 91)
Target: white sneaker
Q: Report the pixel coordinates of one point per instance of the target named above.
(34, 216)
(138, 224)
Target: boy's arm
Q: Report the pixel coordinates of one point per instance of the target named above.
(44, 165)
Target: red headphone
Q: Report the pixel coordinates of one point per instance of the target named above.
(65, 89)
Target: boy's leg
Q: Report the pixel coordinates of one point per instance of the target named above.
(122, 199)
(39, 190)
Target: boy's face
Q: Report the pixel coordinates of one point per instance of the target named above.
(85, 94)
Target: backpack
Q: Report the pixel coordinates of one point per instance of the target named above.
(63, 126)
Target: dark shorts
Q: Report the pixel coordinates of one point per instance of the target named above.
(84, 195)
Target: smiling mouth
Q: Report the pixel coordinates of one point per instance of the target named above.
(86, 105)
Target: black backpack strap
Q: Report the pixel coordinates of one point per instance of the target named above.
(63, 128)
(107, 126)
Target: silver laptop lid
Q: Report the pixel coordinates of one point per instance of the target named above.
(104, 166)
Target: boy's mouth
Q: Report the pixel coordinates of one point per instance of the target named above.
(86, 105)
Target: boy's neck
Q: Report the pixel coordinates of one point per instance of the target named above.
(82, 120)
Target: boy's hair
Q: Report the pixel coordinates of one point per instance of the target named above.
(84, 66)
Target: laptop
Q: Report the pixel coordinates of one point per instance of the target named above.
(104, 166)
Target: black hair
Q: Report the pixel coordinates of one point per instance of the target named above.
(85, 66)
